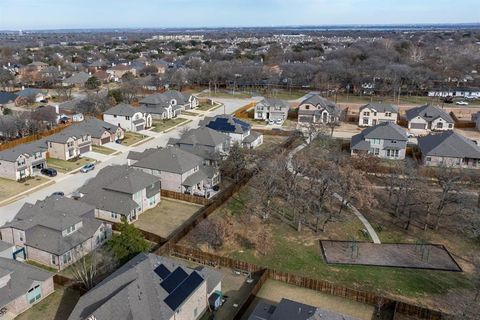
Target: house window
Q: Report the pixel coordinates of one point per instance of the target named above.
(388, 114)
(450, 126)
(127, 118)
(71, 229)
(21, 162)
(366, 113)
(259, 114)
(67, 257)
(440, 125)
(429, 159)
(114, 115)
(307, 107)
(114, 215)
(365, 120)
(392, 153)
(375, 114)
(375, 141)
(34, 294)
(151, 201)
(54, 259)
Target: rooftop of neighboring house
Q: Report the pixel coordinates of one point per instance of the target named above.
(7, 97)
(22, 278)
(27, 149)
(321, 103)
(428, 112)
(73, 131)
(122, 67)
(113, 187)
(381, 107)
(171, 159)
(163, 99)
(28, 92)
(146, 287)
(291, 310)
(282, 104)
(101, 75)
(44, 221)
(122, 109)
(448, 144)
(78, 78)
(226, 123)
(95, 127)
(385, 131)
(202, 136)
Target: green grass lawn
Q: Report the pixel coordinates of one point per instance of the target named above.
(10, 188)
(227, 95)
(102, 150)
(41, 266)
(205, 107)
(67, 166)
(189, 113)
(413, 100)
(132, 138)
(164, 125)
(57, 305)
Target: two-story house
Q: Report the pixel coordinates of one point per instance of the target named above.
(56, 231)
(427, 118)
(159, 107)
(68, 144)
(271, 110)
(163, 289)
(449, 149)
(317, 109)
(23, 160)
(385, 140)
(374, 113)
(101, 132)
(240, 132)
(120, 192)
(206, 143)
(178, 170)
(22, 286)
(128, 117)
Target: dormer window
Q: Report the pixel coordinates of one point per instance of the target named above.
(388, 114)
(21, 162)
(71, 229)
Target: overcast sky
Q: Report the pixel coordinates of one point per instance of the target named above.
(56, 14)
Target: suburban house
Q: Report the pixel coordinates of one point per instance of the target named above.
(178, 170)
(163, 289)
(56, 231)
(119, 70)
(316, 109)
(31, 95)
(292, 310)
(120, 192)
(128, 117)
(169, 104)
(449, 149)
(6, 249)
(386, 140)
(7, 98)
(21, 286)
(271, 110)
(23, 160)
(69, 143)
(206, 143)
(101, 132)
(239, 131)
(77, 79)
(374, 113)
(428, 118)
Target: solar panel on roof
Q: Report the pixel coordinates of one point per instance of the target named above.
(183, 291)
(162, 271)
(174, 280)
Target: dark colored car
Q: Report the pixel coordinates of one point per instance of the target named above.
(58, 193)
(49, 172)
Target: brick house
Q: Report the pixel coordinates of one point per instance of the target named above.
(23, 160)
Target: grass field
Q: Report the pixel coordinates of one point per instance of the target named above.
(164, 125)
(191, 114)
(67, 166)
(166, 217)
(102, 150)
(274, 291)
(10, 188)
(57, 306)
(409, 100)
(132, 138)
(226, 95)
(205, 107)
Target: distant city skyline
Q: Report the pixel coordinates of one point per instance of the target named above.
(70, 14)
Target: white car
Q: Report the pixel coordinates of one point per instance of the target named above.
(462, 103)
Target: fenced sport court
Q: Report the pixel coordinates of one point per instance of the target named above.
(403, 255)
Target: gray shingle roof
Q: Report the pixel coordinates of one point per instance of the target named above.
(170, 159)
(385, 131)
(251, 137)
(113, 187)
(78, 78)
(448, 144)
(203, 136)
(22, 278)
(27, 149)
(380, 107)
(95, 127)
(7, 97)
(429, 113)
(275, 103)
(135, 291)
(321, 103)
(123, 109)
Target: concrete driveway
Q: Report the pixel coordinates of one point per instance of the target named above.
(96, 156)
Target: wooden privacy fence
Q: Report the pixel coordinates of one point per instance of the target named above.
(323, 286)
(242, 113)
(246, 303)
(33, 137)
(184, 197)
(266, 132)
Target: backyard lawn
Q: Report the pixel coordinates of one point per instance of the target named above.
(132, 138)
(56, 306)
(102, 150)
(166, 217)
(164, 125)
(10, 188)
(67, 166)
(205, 107)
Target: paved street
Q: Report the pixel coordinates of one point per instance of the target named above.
(71, 182)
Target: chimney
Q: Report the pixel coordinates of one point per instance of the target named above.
(23, 87)
(57, 109)
(59, 68)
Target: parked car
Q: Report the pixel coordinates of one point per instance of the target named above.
(50, 172)
(270, 122)
(88, 167)
(58, 193)
(76, 195)
(462, 103)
